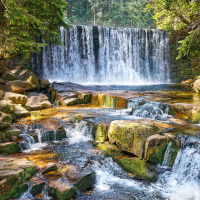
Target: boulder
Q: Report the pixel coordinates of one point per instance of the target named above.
(71, 102)
(137, 167)
(5, 120)
(20, 111)
(10, 134)
(130, 136)
(2, 94)
(155, 147)
(9, 148)
(50, 167)
(196, 86)
(37, 185)
(18, 86)
(84, 96)
(8, 76)
(26, 75)
(110, 149)
(16, 98)
(44, 83)
(37, 101)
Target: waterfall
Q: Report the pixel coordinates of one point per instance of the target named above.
(183, 182)
(106, 55)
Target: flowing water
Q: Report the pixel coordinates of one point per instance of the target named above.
(106, 55)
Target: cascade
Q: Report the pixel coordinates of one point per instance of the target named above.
(106, 55)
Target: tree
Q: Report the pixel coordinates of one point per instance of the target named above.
(179, 15)
(28, 25)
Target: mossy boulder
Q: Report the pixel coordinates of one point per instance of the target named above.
(5, 120)
(7, 106)
(110, 149)
(155, 147)
(61, 190)
(2, 94)
(37, 185)
(8, 76)
(16, 98)
(9, 148)
(136, 166)
(130, 136)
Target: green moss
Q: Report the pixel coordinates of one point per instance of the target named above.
(101, 133)
(23, 188)
(110, 149)
(9, 149)
(67, 194)
(158, 153)
(136, 166)
(79, 117)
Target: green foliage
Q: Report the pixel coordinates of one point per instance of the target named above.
(26, 26)
(179, 15)
(121, 13)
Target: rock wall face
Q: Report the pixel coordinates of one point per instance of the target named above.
(182, 69)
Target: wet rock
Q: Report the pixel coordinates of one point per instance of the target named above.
(130, 136)
(72, 101)
(85, 179)
(196, 86)
(50, 167)
(61, 189)
(5, 120)
(110, 149)
(16, 98)
(66, 95)
(12, 171)
(37, 101)
(184, 110)
(44, 83)
(19, 86)
(136, 166)
(7, 106)
(155, 147)
(109, 101)
(85, 96)
(37, 185)
(39, 196)
(26, 75)
(8, 76)
(9, 148)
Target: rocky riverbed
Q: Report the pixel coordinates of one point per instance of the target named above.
(63, 140)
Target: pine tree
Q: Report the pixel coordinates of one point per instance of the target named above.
(26, 26)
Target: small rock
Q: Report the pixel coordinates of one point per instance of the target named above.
(2, 94)
(7, 106)
(37, 185)
(50, 167)
(2, 81)
(84, 96)
(14, 138)
(44, 83)
(196, 86)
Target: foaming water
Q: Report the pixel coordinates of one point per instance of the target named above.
(81, 133)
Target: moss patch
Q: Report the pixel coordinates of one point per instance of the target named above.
(9, 148)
